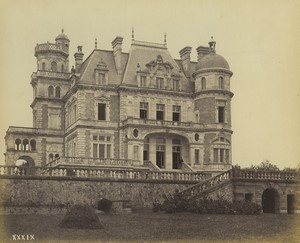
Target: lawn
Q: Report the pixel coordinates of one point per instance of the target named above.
(158, 227)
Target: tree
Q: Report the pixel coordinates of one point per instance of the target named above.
(264, 165)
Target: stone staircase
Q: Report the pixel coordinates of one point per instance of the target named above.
(208, 185)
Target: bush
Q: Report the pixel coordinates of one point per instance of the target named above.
(104, 205)
(81, 217)
(156, 207)
(178, 203)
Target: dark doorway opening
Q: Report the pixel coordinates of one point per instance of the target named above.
(176, 158)
(270, 201)
(160, 159)
(290, 204)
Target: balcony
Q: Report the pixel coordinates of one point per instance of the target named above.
(51, 47)
(33, 131)
(55, 75)
(77, 161)
(173, 124)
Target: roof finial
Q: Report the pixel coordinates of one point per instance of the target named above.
(96, 43)
(165, 38)
(132, 34)
(212, 38)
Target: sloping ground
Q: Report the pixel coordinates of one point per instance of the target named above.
(159, 227)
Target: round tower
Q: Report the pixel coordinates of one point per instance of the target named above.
(213, 105)
(53, 57)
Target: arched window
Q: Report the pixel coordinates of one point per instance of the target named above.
(57, 92)
(18, 144)
(203, 83)
(25, 144)
(50, 91)
(53, 66)
(62, 68)
(43, 66)
(50, 157)
(221, 83)
(32, 145)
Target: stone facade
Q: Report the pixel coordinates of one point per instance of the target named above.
(140, 106)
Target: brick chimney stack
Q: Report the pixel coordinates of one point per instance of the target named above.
(78, 58)
(185, 56)
(117, 48)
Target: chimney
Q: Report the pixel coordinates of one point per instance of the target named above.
(185, 56)
(117, 48)
(78, 58)
(202, 51)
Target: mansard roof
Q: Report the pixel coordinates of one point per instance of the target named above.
(97, 57)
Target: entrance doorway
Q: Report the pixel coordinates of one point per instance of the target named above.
(270, 201)
(290, 204)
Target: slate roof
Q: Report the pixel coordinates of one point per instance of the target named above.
(88, 67)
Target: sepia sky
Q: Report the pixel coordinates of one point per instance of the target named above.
(259, 39)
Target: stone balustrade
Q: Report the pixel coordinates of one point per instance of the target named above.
(68, 161)
(153, 122)
(263, 174)
(136, 174)
(51, 47)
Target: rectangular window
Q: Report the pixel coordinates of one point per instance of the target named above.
(101, 112)
(136, 152)
(221, 114)
(143, 110)
(95, 137)
(143, 81)
(108, 151)
(176, 113)
(216, 155)
(221, 155)
(108, 138)
(101, 151)
(197, 161)
(95, 148)
(160, 109)
(101, 138)
(159, 83)
(175, 84)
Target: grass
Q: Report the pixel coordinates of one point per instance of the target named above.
(158, 227)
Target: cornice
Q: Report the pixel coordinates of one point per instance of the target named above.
(213, 92)
(209, 70)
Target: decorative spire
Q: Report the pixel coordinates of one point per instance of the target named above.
(96, 43)
(62, 30)
(212, 45)
(132, 34)
(165, 39)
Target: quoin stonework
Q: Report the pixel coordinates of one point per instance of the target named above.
(141, 108)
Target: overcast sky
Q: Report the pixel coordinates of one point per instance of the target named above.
(259, 39)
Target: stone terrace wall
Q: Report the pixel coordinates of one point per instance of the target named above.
(58, 191)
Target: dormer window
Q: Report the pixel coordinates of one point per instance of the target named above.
(101, 73)
(175, 84)
(159, 83)
(143, 81)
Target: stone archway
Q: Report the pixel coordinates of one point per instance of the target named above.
(270, 200)
(26, 164)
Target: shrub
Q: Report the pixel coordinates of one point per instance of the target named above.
(104, 205)
(81, 217)
(178, 203)
(156, 206)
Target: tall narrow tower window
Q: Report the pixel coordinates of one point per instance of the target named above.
(50, 91)
(43, 66)
(62, 68)
(221, 83)
(221, 114)
(57, 92)
(53, 66)
(203, 83)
